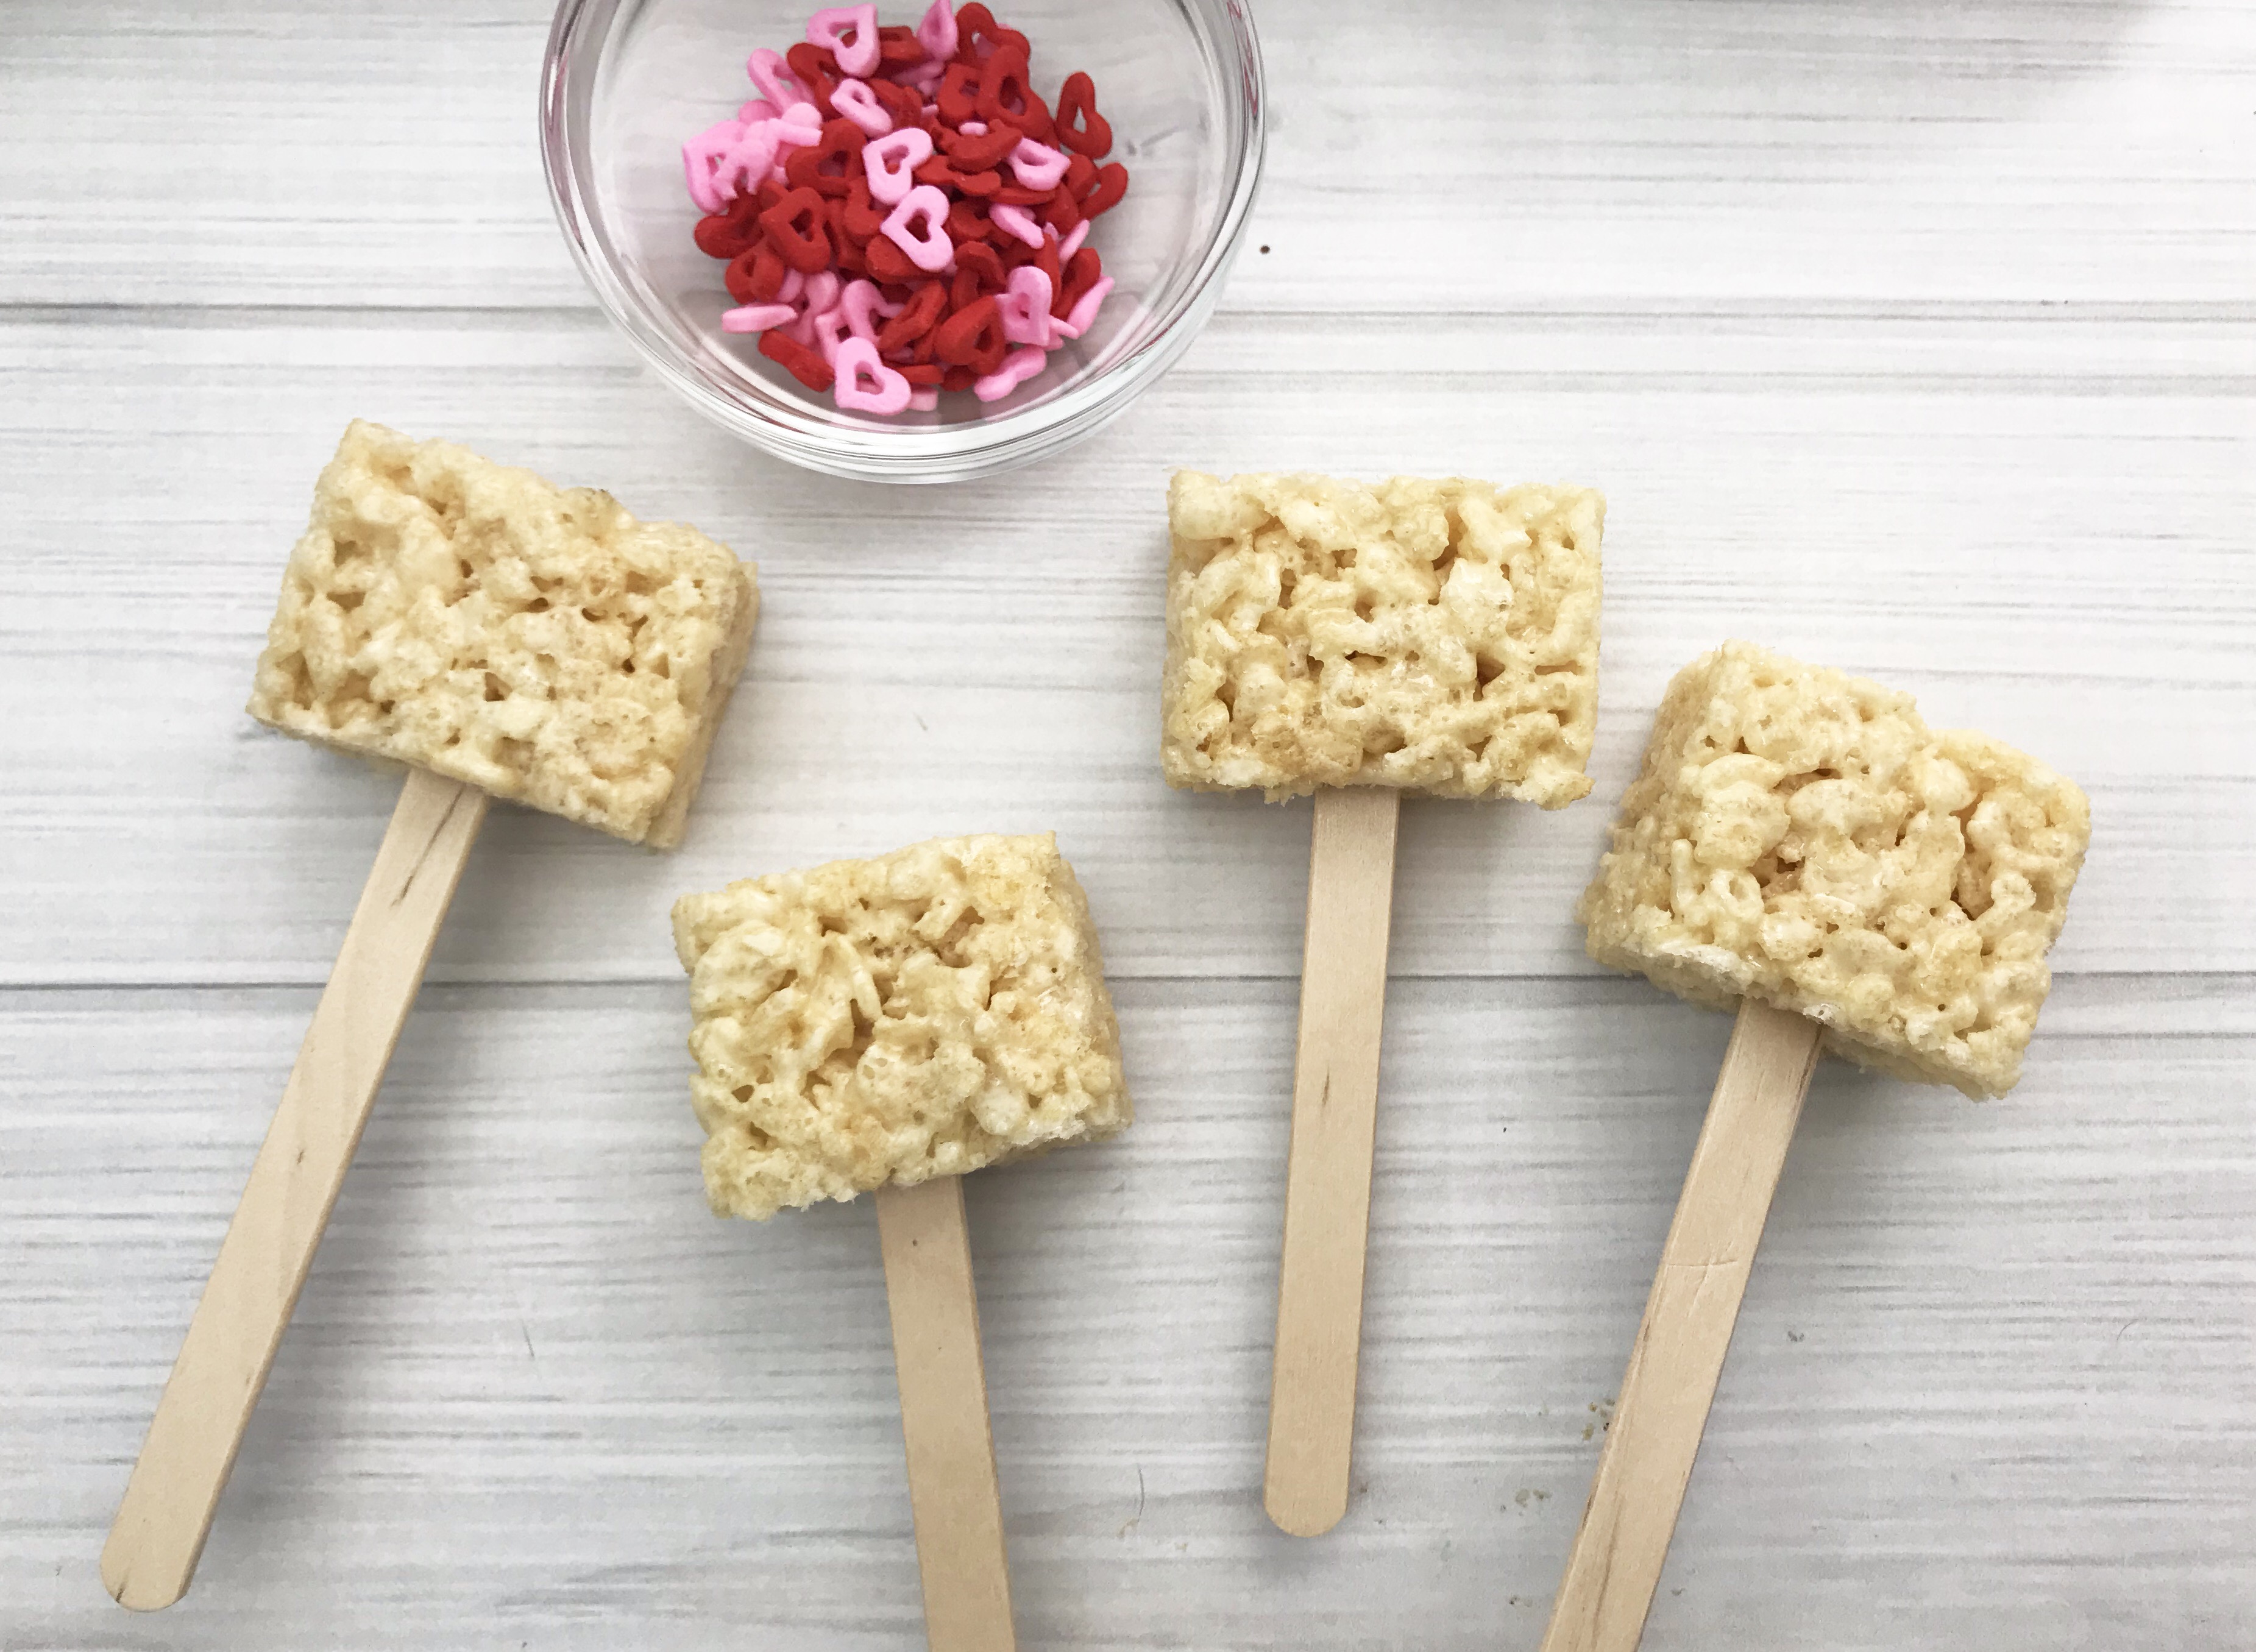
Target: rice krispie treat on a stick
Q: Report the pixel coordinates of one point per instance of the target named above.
(1437, 636)
(1357, 642)
(1799, 844)
(1801, 837)
(876, 1023)
(503, 638)
(886, 1026)
(537, 642)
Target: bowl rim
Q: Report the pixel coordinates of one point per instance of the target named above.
(869, 449)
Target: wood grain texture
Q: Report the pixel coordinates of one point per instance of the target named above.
(1994, 1381)
(1304, 1478)
(1650, 149)
(167, 1514)
(1913, 338)
(2054, 560)
(933, 1304)
(1622, 1543)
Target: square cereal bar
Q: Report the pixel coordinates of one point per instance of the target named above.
(920, 1015)
(1440, 636)
(536, 641)
(1801, 837)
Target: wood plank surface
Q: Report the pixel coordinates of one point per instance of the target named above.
(1917, 339)
(2073, 149)
(2047, 542)
(1994, 1381)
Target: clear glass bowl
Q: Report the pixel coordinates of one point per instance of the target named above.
(627, 81)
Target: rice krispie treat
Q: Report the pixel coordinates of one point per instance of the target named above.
(1439, 636)
(1801, 837)
(535, 641)
(923, 1013)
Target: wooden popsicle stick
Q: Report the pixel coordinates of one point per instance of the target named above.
(160, 1527)
(1643, 1468)
(1328, 1182)
(951, 1447)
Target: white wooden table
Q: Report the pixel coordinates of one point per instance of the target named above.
(1912, 337)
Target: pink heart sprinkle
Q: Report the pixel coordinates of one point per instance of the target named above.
(936, 30)
(829, 27)
(889, 162)
(831, 331)
(775, 78)
(1025, 307)
(1019, 222)
(1017, 367)
(930, 250)
(858, 104)
(1085, 312)
(1038, 165)
(860, 301)
(887, 391)
(757, 318)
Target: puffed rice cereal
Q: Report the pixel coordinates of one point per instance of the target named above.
(1801, 837)
(1438, 636)
(923, 1013)
(535, 641)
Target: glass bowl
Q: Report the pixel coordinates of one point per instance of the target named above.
(627, 81)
